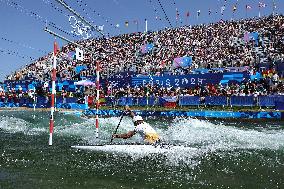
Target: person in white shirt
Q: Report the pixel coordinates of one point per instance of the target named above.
(147, 132)
(275, 78)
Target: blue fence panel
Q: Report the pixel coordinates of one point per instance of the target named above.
(41, 105)
(153, 101)
(129, 101)
(41, 100)
(242, 101)
(123, 101)
(135, 101)
(267, 101)
(279, 98)
(189, 100)
(60, 100)
(24, 100)
(279, 102)
(216, 100)
(142, 101)
(270, 100)
(279, 105)
(109, 101)
(71, 100)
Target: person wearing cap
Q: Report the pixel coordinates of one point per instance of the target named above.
(142, 128)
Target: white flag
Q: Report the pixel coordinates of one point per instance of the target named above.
(223, 9)
(79, 54)
(101, 28)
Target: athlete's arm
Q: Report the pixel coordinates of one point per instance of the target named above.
(125, 135)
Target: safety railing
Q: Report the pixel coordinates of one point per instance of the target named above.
(262, 101)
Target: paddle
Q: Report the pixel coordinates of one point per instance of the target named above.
(117, 127)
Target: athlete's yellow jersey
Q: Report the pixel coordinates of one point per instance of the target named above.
(147, 133)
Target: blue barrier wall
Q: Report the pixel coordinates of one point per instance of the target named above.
(137, 101)
(73, 106)
(276, 101)
(266, 101)
(123, 101)
(243, 101)
(42, 99)
(142, 101)
(215, 100)
(270, 100)
(189, 100)
(279, 105)
(194, 113)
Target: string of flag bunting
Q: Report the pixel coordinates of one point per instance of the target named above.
(178, 18)
(107, 20)
(36, 16)
(166, 16)
(14, 53)
(157, 15)
(23, 45)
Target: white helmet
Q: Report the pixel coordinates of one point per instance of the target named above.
(137, 118)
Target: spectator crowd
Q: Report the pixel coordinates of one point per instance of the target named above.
(215, 45)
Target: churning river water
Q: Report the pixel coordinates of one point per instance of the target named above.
(211, 154)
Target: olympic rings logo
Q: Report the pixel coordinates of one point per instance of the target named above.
(79, 28)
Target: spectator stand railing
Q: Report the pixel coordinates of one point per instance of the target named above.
(73, 102)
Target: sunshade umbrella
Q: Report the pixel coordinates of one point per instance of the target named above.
(85, 83)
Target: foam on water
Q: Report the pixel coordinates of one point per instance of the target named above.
(211, 138)
(221, 137)
(12, 125)
(87, 129)
(135, 149)
(195, 138)
(200, 149)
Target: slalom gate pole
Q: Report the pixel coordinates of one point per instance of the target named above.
(53, 92)
(97, 97)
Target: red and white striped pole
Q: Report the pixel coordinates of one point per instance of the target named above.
(53, 92)
(98, 97)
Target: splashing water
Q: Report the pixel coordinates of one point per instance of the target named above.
(200, 148)
(188, 132)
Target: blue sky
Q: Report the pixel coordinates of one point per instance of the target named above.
(23, 21)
